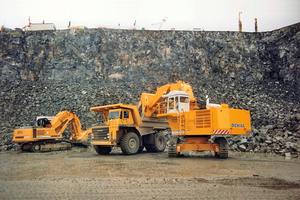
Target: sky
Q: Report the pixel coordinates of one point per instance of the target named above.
(209, 15)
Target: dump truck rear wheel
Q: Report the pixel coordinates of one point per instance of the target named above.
(130, 143)
(102, 150)
(223, 146)
(160, 143)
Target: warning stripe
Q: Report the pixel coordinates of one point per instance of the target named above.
(221, 132)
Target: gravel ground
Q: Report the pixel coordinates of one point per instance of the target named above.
(83, 174)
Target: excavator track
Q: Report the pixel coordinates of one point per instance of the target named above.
(223, 146)
(172, 147)
(46, 146)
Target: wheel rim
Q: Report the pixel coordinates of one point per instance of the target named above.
(160, 143)
(132, 143)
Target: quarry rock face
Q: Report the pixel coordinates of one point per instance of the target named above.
(44, 72)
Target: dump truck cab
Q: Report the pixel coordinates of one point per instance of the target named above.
(123, 116)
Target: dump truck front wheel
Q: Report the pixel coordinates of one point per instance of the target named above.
(102, 150)
(130, 143)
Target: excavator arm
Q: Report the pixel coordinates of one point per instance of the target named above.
(150, 102)
(66, 118)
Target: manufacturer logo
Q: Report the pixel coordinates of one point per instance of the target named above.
(238, 125)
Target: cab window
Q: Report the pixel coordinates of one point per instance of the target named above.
(184, 99)
(171, 103)
(114, 115)
(126, 114)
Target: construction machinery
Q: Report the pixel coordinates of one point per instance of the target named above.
(48, 134)
(134, 127)
(192, 128)
(124, 127)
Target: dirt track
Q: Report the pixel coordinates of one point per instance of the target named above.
(83, 174)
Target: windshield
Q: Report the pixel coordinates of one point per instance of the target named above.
(114, 115)
(183, 99)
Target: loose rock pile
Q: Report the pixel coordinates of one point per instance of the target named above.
(282, 138)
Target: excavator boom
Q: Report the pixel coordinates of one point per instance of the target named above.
(151, 102)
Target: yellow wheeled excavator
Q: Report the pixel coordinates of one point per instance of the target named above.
(192, 127)
(48, 135)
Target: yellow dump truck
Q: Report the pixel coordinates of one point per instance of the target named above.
(125, 128)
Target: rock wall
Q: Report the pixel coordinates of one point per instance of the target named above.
(44, 72)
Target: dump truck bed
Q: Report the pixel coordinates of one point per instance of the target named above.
(150, 125)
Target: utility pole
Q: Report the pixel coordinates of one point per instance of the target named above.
(256, 29)
(240, 23)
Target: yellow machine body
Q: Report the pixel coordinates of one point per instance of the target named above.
(213, 121)
(115, 115)
(125, 128)
(50, 131)
(192, 127)
(152, 103)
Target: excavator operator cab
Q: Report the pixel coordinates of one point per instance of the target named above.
(177, 101)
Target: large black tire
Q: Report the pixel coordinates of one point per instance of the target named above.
(159, 145)
(130, 143)
(35, 147)
(223, 146)
(102, 150)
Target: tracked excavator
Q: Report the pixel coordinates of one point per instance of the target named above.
(193, 128)
(48, 134)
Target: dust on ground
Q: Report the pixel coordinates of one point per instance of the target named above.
(83, 174)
